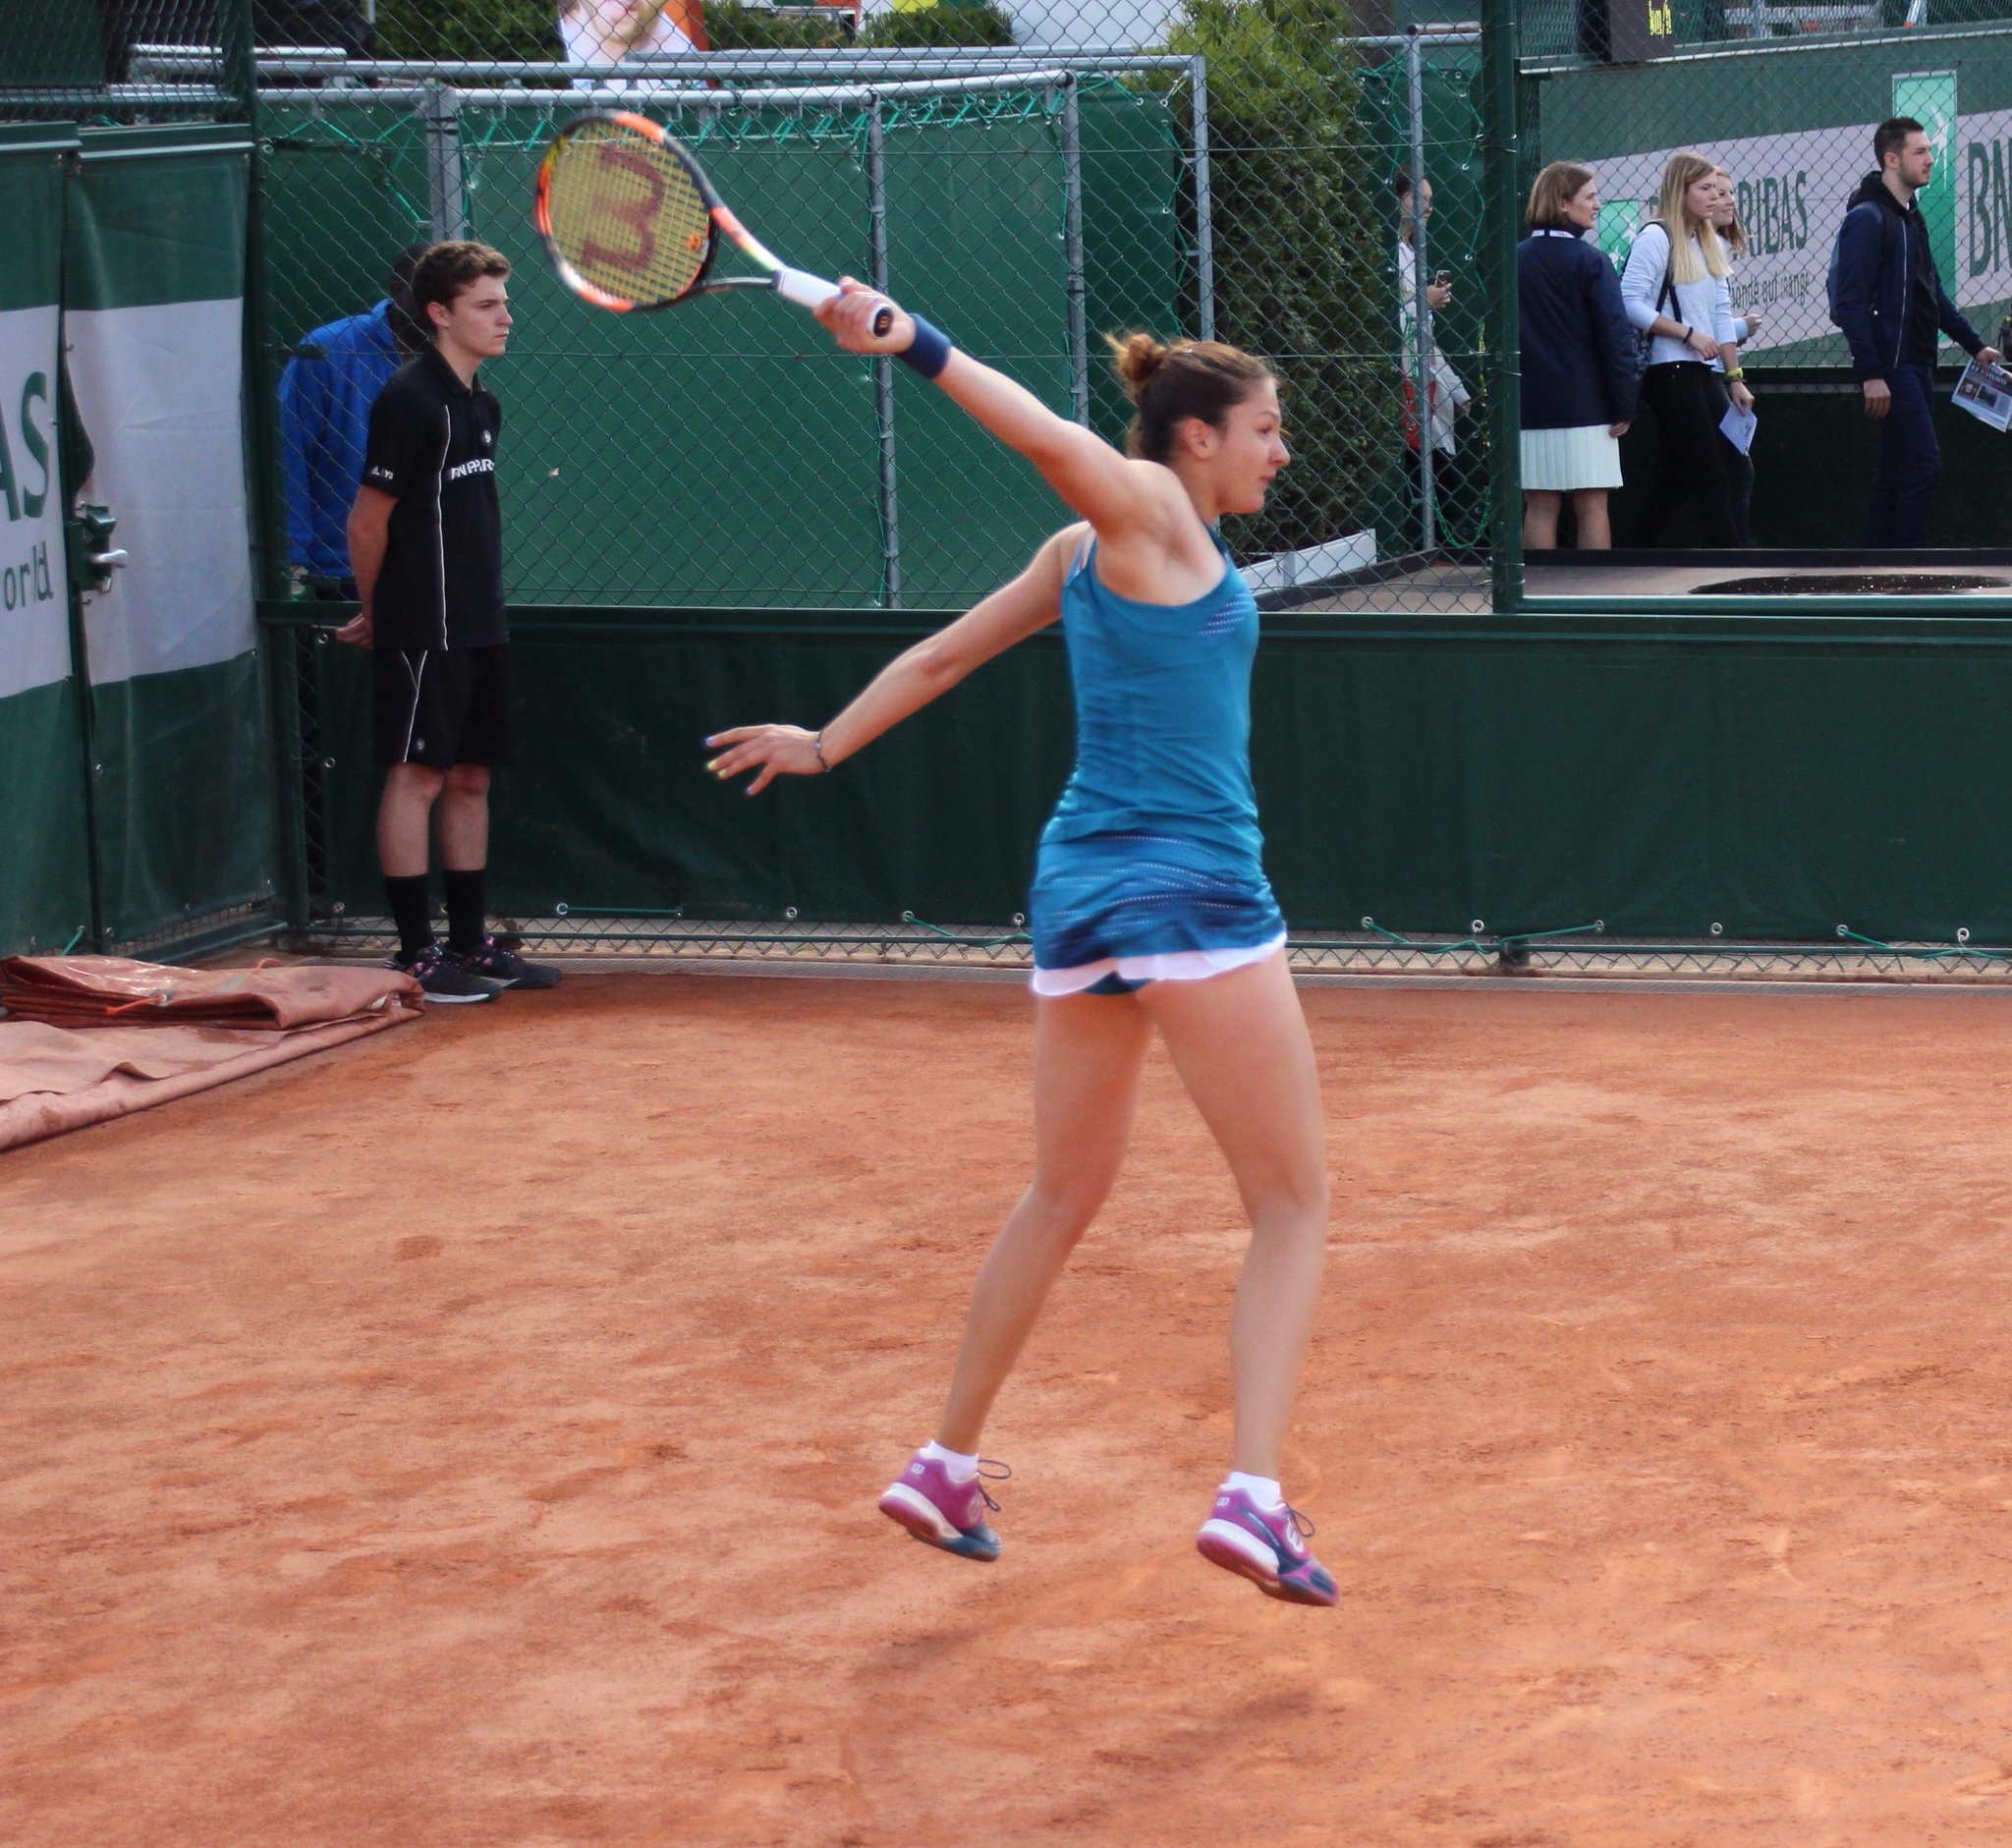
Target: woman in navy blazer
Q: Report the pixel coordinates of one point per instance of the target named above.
(1579, 360)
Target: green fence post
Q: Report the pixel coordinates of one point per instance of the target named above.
(1499, 219)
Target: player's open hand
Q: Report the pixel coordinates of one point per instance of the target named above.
(771, 750)
(849, 316)
(355, 632)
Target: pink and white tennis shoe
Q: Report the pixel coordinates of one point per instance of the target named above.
(943, 1513)
(1265, 1546)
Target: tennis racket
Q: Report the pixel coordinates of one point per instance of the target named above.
(630, 222)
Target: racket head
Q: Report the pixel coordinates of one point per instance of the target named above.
(626, 216)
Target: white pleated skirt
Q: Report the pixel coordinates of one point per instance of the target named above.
(1558, 462)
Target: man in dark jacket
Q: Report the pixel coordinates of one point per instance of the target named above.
(1887, 297)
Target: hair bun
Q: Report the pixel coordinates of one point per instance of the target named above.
(1137, 358)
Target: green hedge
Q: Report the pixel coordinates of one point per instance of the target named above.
(937, 27)
(494, 28)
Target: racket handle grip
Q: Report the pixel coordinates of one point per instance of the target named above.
(812, 292)
(804, 288)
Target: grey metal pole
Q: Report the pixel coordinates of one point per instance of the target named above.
(1204, 204)
(446, 199)
(883, 368)
(1078, 285)
(1420, 275)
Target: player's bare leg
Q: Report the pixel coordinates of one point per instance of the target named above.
(1239, 1044)
(1088, 1051)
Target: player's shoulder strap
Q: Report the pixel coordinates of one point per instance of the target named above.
(1079, 553)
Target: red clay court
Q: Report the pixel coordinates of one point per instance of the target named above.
(472, 1435)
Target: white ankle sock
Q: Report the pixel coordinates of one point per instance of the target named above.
(963, 1469)
(1262, 1490)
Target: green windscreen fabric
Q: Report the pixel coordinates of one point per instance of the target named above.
(713, 452)
(721, 454)
(1753, 778)
(154, 324)
(44, 864)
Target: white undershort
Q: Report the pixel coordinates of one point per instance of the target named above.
(1168, 966)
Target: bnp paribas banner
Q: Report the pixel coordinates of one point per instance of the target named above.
(34, 594)
(1793, 189)
(44, 866)
(153, 321)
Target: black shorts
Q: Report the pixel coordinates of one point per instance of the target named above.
(443, 706)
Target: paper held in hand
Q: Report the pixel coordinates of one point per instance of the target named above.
(1985, 392)
(1738, 426)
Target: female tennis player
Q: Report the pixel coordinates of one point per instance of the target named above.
(1150, 908)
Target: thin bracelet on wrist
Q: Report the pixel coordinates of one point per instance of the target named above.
(817, 745)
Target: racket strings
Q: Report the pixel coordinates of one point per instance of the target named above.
(625, 213)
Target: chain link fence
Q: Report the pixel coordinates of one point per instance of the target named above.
(1303, 177)
(1033, 177)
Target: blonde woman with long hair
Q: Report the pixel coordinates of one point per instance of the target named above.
(1725, 221)
(1674, 294)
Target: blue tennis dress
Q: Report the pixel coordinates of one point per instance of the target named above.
(1150, 869)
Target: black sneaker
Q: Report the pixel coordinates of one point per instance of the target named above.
(443, 976)
(491, 962)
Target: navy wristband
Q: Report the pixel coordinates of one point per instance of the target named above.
(930, 352)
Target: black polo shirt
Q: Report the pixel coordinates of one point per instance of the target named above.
(432, 445)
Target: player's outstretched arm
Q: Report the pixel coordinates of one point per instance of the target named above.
(1121, 498)
(908, 683)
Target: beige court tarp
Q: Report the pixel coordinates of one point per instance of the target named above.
(81, 990)
(107, 1035)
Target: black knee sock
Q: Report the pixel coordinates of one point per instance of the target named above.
(466, 909)
(409, 912)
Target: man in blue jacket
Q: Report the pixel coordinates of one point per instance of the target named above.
(1887, 297)
(325, 395)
